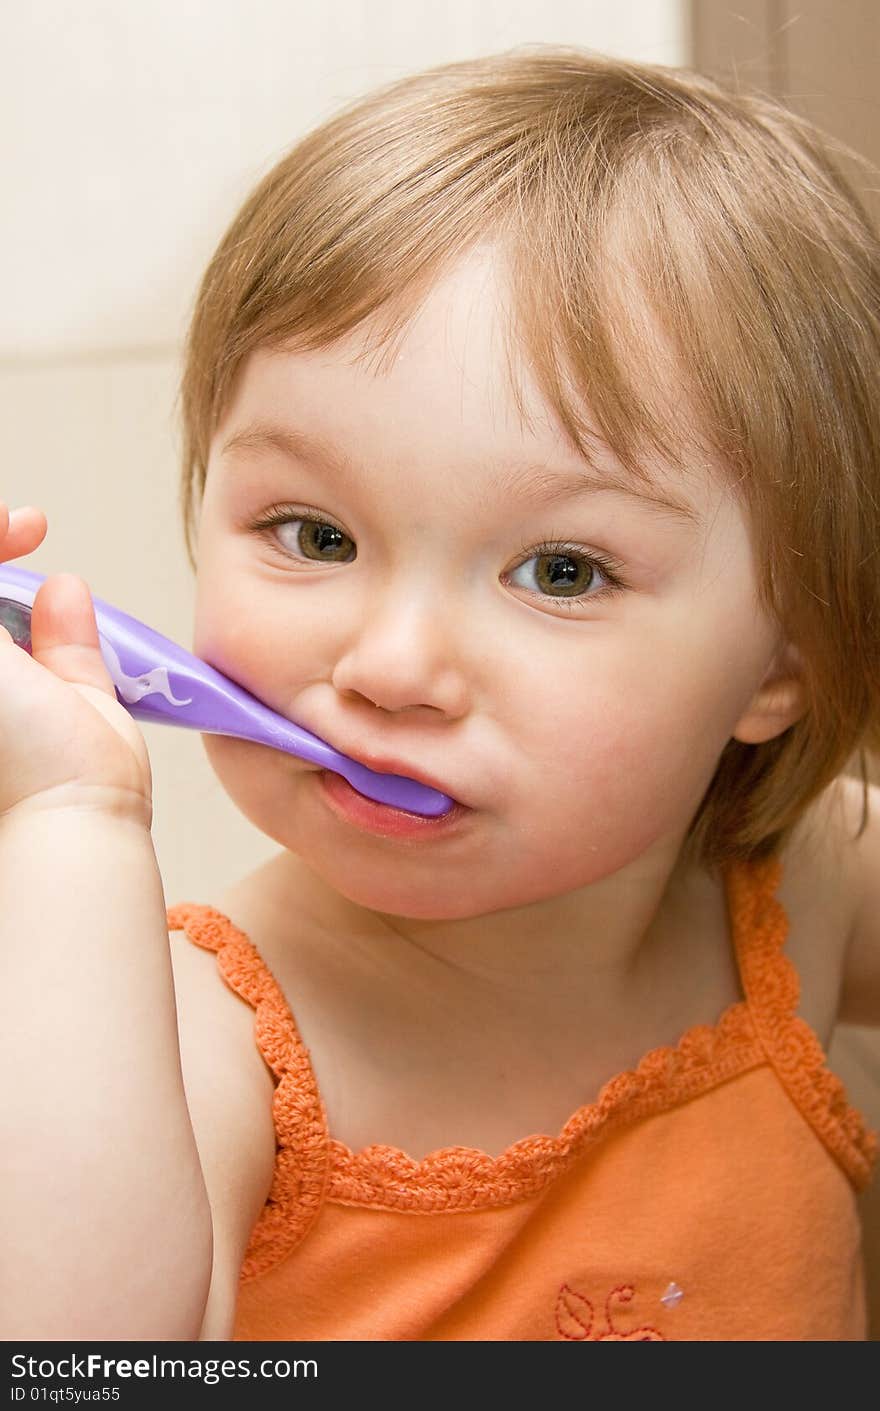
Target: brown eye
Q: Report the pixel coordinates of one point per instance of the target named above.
(562, 573)
(322, 541)
(308, 535)
(556, 573)
(566, 574)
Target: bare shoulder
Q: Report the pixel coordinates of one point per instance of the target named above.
(229, 1093)
(821, 891)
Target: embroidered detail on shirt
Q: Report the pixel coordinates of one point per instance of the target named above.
(672, 1296)
(574, 1317)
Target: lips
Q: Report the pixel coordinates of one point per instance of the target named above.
(384, 764)
(387, 821)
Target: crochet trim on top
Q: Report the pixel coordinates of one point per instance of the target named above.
(299, 1180)
(311, 1166)
(772, 987)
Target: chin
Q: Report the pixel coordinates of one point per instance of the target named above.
(416, 892)
(393, 894)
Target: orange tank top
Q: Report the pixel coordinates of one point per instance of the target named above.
(708, 1194)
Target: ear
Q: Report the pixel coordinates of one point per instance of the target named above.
(779, 701)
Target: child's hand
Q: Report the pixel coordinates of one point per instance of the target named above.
(65, 741)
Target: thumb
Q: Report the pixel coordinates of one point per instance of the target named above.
(64, 632)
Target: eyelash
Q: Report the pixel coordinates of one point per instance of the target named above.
(283, 515)
(609, 567)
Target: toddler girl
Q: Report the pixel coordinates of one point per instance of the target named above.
(530, 450)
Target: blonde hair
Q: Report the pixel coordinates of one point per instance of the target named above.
(754, 258)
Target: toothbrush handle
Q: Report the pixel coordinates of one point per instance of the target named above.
(159, 681)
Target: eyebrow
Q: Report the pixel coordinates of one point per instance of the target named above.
(535, 483)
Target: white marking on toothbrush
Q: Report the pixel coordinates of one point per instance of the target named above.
(133, 688)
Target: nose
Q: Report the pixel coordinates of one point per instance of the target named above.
(402, 657)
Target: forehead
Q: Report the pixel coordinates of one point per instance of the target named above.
(449, 373)
(453, 346)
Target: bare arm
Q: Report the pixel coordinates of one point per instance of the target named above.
(860, 981)
(855, 1057)
(855, 1050)
(106, 1225)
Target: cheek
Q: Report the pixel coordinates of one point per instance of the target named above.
(619, 756)
(237, 638)
(231, 629)
(258, 780)
(248, 627)
(214, 612)
(604, 787)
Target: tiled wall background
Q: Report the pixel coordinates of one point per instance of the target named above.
(131, 133)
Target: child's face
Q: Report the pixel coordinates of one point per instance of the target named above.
(581, 730)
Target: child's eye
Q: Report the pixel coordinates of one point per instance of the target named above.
(565, 574)
(315, 537)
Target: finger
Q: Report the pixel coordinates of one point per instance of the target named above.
(64, 633)
(21, 531)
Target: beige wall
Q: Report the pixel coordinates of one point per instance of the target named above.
(131, 134)
(821, 59)
(819, 56)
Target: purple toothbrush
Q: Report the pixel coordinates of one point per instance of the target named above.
(158, 680)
